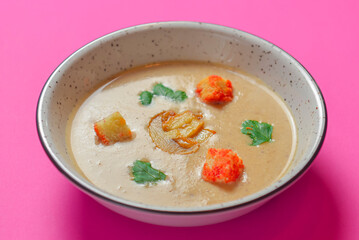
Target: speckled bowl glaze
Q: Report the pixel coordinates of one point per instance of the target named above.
(89, 66)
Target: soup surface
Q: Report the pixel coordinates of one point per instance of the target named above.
(108, 167)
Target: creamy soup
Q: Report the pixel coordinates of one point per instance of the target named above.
(108, 167)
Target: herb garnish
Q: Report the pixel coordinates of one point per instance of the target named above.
(144, 173)
(260, 132)
(146, 97)
(161, 90)
(179, 96)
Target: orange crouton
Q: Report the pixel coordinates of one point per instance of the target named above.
(222, 166)
(215, 89)
(112, 129)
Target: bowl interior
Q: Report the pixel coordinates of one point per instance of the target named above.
(89, 66)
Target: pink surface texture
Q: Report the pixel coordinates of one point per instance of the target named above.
(37, 202)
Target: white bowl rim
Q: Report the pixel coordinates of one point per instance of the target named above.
(265, 193)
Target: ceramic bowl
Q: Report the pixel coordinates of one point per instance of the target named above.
(85, 69)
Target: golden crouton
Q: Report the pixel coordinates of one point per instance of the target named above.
(215, 89)
(222, 166)
(112, 129)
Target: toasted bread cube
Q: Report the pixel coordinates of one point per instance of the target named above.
(222, 166)
(112, 129)
(215, 89)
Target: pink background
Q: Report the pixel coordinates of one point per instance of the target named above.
(37, 202)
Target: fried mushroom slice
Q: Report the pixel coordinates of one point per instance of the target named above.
(178, 133)
(164, 141)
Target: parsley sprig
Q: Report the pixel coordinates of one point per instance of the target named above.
(146, 97)
(144, 173)
(260, 132)
(161, 90)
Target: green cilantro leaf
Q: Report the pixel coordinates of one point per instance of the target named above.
(180, 96)
(160, 90)
(146, 97)
(259, 132)
(144, 173)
